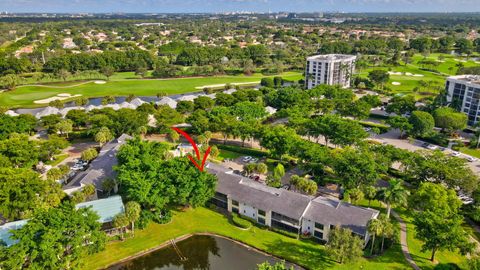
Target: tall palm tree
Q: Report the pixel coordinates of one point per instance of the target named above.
(374, 227)
(387, 230)
(132, 212)
(394, 194)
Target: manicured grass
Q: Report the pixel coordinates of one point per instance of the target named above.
(470, 152)
(57, 160)
(228, 154)
(423, 258)
(408, 83)
(306, 253)
(121, 86)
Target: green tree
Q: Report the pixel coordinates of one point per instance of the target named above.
(132, 212)
(422, 122)
(400, 123)
(9, 81)
(379, 77)
(356, 167)
(437, 219)
(107, 71)
(375, 228)
(121, 221)
(22, 192)
(394, 194)
(449, 119)
(401, 105)
(343, 246)
(278, 171)
(370, 193)
(73, 233)
(64, 127)
(103, 136)
(108, 185)
(276, 266)
(203, 103)
(89, 154)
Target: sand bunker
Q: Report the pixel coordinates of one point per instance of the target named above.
(418, 75)
(396, 83)
(61, 96)
(223, 85)
(395, 73)
(408, 74)
(100, 82)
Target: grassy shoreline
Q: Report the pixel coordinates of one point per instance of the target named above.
(202, 220)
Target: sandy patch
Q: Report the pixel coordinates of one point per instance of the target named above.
(223, 85)
(418, 75)
(396, 83)
(61, 96)
(100, 82)
(408, 74)
(395, 73)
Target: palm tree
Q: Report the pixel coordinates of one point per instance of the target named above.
(394, 194)
(120, 221)
(387, 230)
(374, 227)
(132, 211)
(370, 193)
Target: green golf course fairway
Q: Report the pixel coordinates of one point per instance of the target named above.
(24, 96)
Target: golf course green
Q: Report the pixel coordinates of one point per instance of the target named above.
(24, 96)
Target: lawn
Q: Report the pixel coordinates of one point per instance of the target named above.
(306, 253)
(447, 66)
(423, 258)
(120, 85)
(470, 152)
(228, 154)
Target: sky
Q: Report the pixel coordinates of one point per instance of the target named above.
(186, 6)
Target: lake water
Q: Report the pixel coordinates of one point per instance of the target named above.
(202, 252)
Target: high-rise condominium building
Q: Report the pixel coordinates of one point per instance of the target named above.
(331, 69)
(463, 92)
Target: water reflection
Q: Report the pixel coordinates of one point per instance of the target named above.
(202, 253)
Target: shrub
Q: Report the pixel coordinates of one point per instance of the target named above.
(240, 222)
(286, 233)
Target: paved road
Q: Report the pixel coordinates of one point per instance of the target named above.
(392, 138)
(403, 241)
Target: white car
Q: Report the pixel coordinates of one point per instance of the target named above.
(247, 158)
(455, 154)
(253, 160)
(432, 147)
(471, 159)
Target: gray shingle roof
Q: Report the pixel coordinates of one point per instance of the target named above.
(101, 168)
(328, 211)
(292, 204)
(282, 201)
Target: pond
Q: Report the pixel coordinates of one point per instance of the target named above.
(200, 252)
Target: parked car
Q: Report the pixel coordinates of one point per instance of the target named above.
(471, 159)
(425, 145)
(432, 147)
(246, 158)
(455, 154)
(253, 160)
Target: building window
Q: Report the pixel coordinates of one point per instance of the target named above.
(318, 234)
(319, 226)
(261, 212)
(332, 226)
(234, 202)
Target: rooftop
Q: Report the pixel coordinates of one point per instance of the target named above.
(106, 209)
(292, 204)
(474, 79)
(101, 168)
(332, 57)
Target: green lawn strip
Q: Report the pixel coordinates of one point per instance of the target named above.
(423, 258)
(57, 159)
(306, 253)
(25, 96)
(228, 154)
(470, 152)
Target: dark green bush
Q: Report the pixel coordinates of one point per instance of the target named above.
(241, 222)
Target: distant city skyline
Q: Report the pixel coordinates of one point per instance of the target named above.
(213, 6)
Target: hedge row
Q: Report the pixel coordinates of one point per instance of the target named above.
(240, 222)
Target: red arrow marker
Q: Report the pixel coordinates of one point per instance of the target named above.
(195, 147)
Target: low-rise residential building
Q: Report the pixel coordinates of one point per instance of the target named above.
(463, 92)
(100, 169)
(106, 210)
(287, 210)
(331, 69)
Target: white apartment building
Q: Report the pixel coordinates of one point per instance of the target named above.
(463, 92)
(331, 69)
